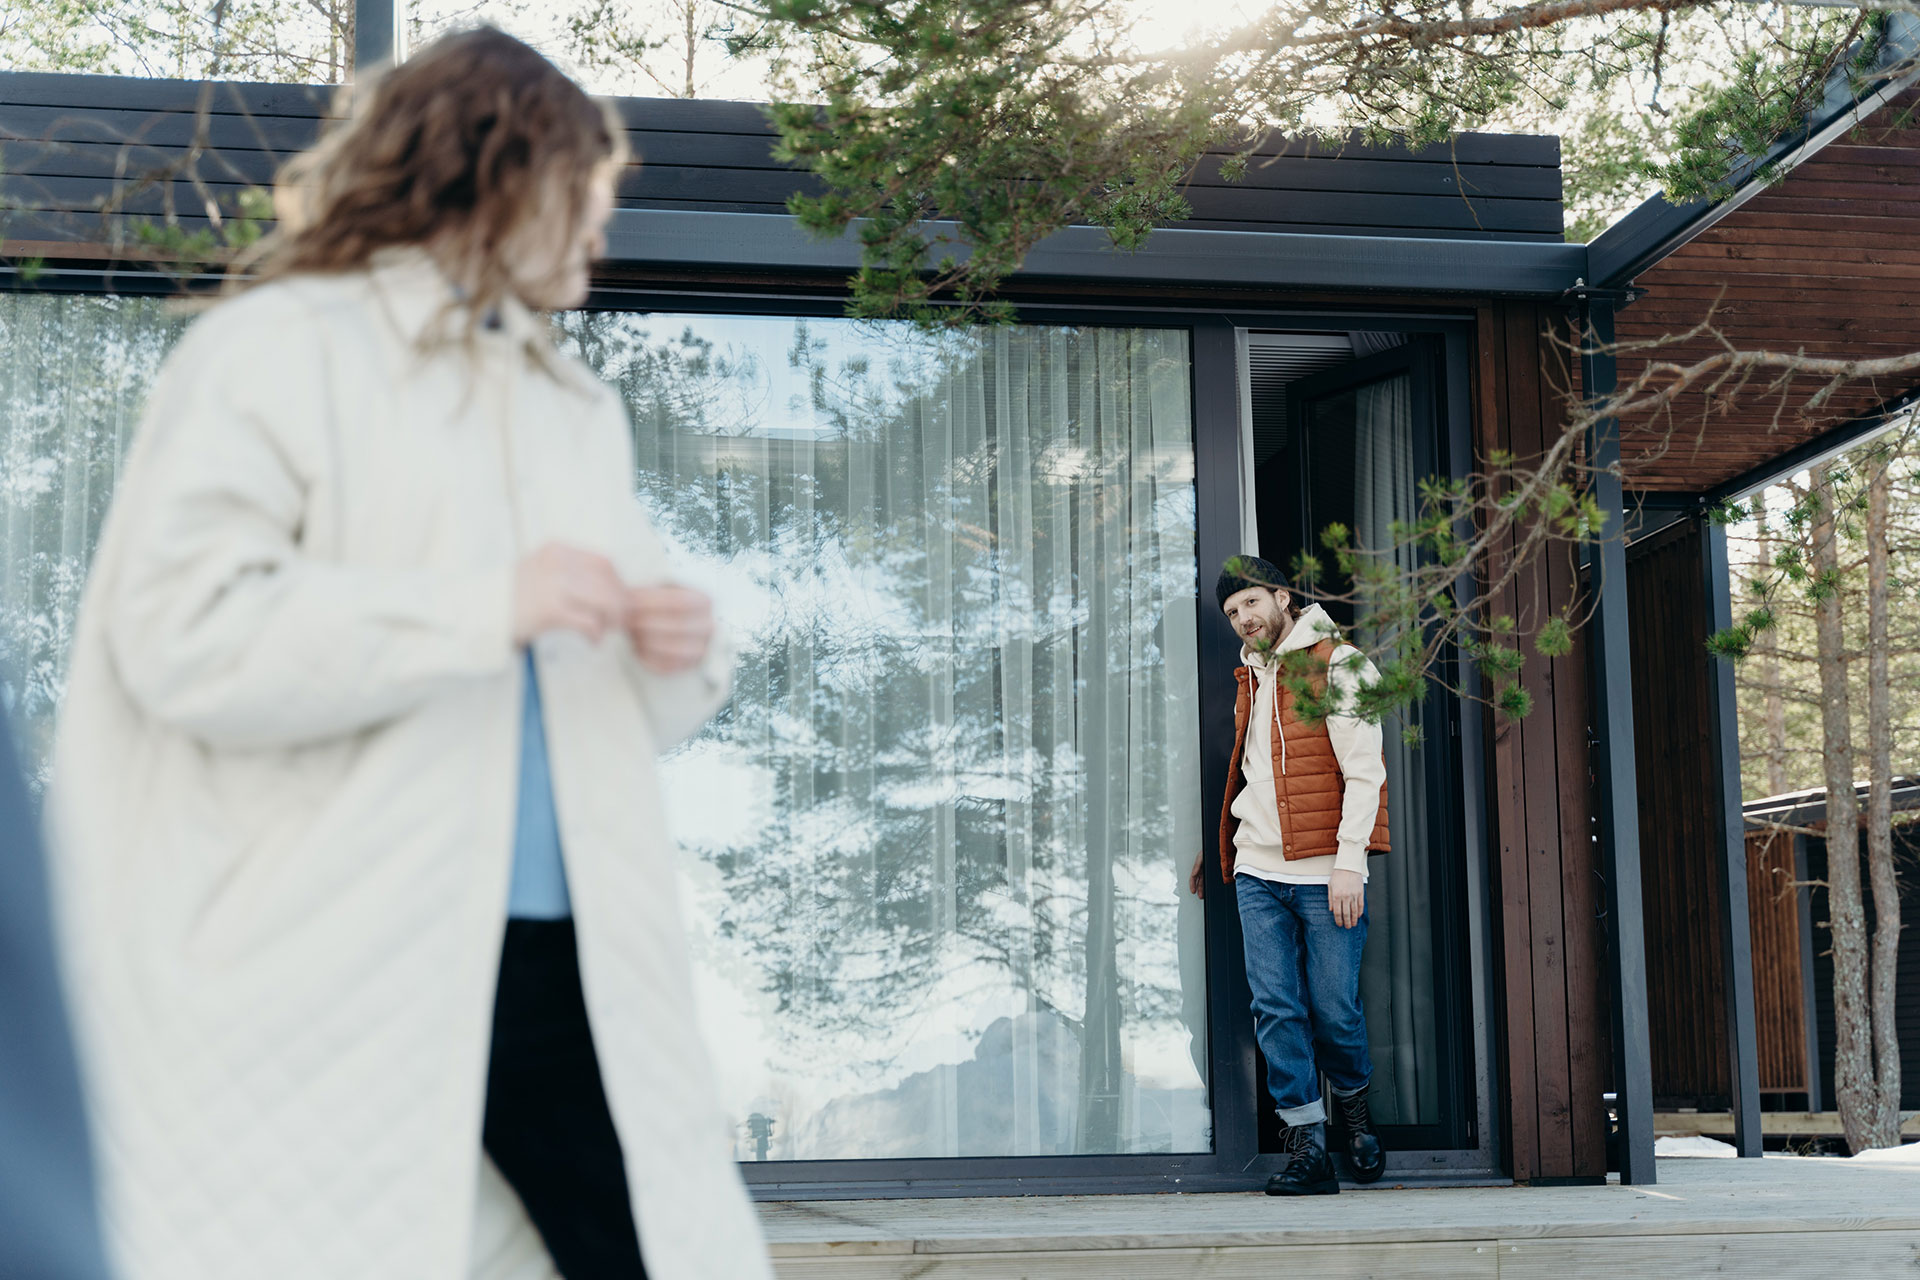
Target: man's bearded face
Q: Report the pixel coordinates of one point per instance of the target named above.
(1258, 615)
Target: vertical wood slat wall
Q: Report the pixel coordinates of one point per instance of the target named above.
(1545, 862)
(1679, 849)
(1779, 993)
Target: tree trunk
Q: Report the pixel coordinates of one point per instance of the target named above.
(1886, 887)
(1769, 647)
(690, 11)
(1854, 1078)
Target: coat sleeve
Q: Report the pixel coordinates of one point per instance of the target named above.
(677, 705)
(1359, 745)
(218, 620)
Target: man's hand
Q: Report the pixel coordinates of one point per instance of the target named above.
(670, 627)
(1197, 878)
(1346, 897)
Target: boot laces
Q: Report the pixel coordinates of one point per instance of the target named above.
(1353, 1112)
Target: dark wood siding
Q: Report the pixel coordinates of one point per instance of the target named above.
(1672, 730)
(1779, 993)
(1544, 857)
(1907, 1010)
(171, 145)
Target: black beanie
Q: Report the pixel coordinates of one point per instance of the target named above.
(1241, 572)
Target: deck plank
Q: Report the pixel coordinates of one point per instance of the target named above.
(1704, 1216)
(1322, 1262)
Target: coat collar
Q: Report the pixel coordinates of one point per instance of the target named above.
(425, 307)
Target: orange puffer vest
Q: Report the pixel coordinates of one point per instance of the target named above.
(1309, 787)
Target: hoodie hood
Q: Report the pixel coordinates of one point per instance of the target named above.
(1310, 628)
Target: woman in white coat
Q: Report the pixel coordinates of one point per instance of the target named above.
(378, 651)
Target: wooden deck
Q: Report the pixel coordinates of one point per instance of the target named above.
(1780, 1217)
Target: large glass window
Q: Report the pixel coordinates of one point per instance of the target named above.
(941, 829)
(936, 841)
(74, 373)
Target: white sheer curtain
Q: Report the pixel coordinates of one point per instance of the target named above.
(74, 372)
(1397, 973)
(960, 770)
(941, 828)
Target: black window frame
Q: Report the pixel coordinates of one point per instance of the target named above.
(1217, 404)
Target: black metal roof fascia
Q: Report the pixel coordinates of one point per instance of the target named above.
(1802, 808)
(1656, 228)
(1173, 256)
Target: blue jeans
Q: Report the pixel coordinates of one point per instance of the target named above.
(1305, 973)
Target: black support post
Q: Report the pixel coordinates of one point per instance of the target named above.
(1736, 925)
(1234, 1083)
(377, 33)
(1617, 804)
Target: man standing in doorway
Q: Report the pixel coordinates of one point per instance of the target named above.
(1306, 802)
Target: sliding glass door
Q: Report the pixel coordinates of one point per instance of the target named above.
(1361, 436)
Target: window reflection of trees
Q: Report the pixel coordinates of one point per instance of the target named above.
(969, 691)
(74, 372)
(981, 753)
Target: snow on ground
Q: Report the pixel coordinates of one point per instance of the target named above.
(1898, 1157)
(1693, 1145)
(1908, 1155)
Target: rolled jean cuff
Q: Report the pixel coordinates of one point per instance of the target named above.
(1314, 1112)
(1338, 1092)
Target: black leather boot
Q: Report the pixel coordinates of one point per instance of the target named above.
(1309, 1172)
(1356, 1133)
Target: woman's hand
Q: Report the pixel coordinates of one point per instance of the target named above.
(670, 627)
(562, 588)
(1346, 897)
(1197, 878)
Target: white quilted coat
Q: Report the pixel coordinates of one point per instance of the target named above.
(284, 792)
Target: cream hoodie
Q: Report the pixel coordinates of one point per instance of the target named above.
(1357, 745)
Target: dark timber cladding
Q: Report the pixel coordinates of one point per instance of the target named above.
(1686, 998)
(1544, 860)
(1776, 896)
(69, 138)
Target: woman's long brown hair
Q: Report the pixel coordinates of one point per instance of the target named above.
(457, 147)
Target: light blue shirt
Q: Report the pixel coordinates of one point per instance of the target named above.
(539, 877)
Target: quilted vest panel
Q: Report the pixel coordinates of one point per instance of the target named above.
(1309, 788)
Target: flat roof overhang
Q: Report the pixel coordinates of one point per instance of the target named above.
(678, 240)
(1812, 253)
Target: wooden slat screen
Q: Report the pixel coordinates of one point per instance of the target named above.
(1672, 722)
(1779, 998)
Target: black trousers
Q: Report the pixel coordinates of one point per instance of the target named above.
(547, 1125)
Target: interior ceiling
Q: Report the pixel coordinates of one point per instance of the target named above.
(1826, 263)
(1276, 359)
(1273, 361)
